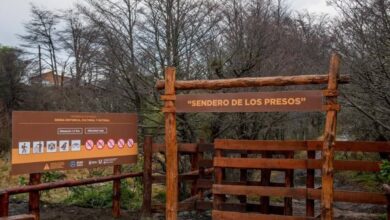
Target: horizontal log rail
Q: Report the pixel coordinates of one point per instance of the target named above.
(252, 82)
(228, 215)
(310, 145)
(189, 176)
(290, 164)
(301, 193)
(184, 148)
(67, 183)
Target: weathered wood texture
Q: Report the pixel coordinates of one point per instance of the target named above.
(147, 178)
(300, 193)
(225, 215)
(4, 204)
(265, 181)
(251, 82)
(116, 192)
(289, 182)
(259, 163)
(329, 142)
(309, 145)
(33, 199)
(67, 183)
(310, 211)
(171, 147)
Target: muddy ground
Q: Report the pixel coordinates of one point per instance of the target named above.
(343, 211)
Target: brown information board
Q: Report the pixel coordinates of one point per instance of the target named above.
(298, 101)
(45, 141)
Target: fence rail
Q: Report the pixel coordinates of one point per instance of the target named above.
(222, 187)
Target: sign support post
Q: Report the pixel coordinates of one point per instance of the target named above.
(171, 145)
(329, 142)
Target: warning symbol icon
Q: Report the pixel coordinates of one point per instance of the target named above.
(47, 167)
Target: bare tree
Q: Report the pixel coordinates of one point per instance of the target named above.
(40, 31)
(364, 32)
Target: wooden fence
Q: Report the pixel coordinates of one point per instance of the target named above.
(199, 175)
(221, 188)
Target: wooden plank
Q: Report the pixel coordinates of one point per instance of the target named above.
(182, 177)
(67, 183)
(19, 217)
(329, 142)
(206, 147)
(34, 198)
(182, 148)
(259, 145)
(205, 163)
(292, 145)
(265, 181)
(310, 211)
(171, 148)
(225, 215)
(218, 178)
(4, 204)
(259, 163)
(116, 193)
(147, 178)
(250, 82)
(360, 197)
(301, 193)
(289, 182)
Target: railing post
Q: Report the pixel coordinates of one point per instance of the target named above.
(33, 203)
(310, 185)
(243, 179)
(289, 182)
(147, 178)
(4, 205)
(116, 193)
(265, 181)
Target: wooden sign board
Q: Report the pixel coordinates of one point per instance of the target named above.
(291, 101)
(46, 141)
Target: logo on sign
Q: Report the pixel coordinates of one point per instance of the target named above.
(121, 143)
(100, 144)
(130, 143)
(89, 144)
(72, 164)
(111, 143)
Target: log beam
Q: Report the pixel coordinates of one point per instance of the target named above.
(251, 82)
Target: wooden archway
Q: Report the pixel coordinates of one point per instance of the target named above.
(330, 106)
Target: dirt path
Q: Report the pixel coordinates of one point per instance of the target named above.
(343, 211)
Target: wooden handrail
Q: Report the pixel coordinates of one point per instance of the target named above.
(67, 183)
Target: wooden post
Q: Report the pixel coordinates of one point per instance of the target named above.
(265, 181)
(218, 176)
(33, 203)
(289, 182)
(171, 145)
(243, 179)
(147, 178)
(4, 205)
(199, 157)
(329, 141)
(116, 193)
(310, 185)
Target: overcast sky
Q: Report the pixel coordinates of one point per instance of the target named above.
(14, 13)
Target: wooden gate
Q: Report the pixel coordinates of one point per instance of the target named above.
(238, 103)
